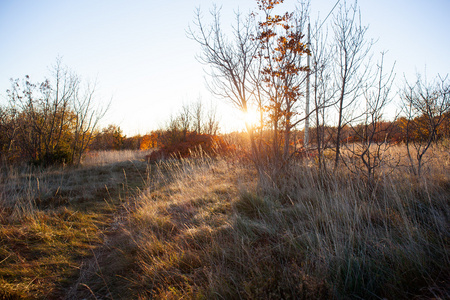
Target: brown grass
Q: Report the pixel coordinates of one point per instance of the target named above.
(208, 231)
(95, 158)
(54, 220)
(207, 228)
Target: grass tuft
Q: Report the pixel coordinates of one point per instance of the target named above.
(252, 206)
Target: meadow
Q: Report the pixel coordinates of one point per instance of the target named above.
(205, 227)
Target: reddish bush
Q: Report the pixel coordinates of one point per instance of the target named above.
(209, 144)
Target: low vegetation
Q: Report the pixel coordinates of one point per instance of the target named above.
(208, 231)
(53, 221)
(203, 227)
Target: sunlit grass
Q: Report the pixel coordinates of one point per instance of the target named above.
(94, 158)
(206, 228)
(40, 255)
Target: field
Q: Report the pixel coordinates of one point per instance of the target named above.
(206, 228)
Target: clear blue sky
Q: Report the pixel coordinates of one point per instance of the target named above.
(139, 53)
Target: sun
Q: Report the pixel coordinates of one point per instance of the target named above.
(251, 117)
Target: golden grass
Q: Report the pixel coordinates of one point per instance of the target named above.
(54, 220)
(39, 255)
(206, 228)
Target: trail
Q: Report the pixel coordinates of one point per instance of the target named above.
(109, 270)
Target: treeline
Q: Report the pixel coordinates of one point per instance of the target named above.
(400, 130)
(56, 122)
(113, 138)
(192, 126)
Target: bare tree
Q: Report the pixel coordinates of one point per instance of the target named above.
(371, 135)
(351, 52)
(57, 105)
(197, 115)
(85, 121)
(211, 120)
(323, 89)
(425, 105)
(7, 132)
(185, 120)
(260, 67)
(194, 117)
(230, 61)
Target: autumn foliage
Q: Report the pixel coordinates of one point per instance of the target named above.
(181, 145)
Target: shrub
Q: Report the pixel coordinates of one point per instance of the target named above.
(185, 146)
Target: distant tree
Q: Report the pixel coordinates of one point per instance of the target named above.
(132, 143)
(109, 138)
(425, 105)
(7, 133)
(150, 141)
(197, 116)
(86, 120)
(211, 121)
(183, 120)
(443, 131)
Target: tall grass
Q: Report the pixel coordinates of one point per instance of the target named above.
(211, 228)
(19, 189)
(24, 187)
(205, 229)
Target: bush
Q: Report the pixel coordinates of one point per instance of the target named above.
(185, 146)
(58, 156)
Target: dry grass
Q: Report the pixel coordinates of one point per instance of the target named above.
(52, 220)
(95, 158)
(206, 228)
(436, 162)
(207, 231)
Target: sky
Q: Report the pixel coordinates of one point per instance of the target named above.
(145, 66)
